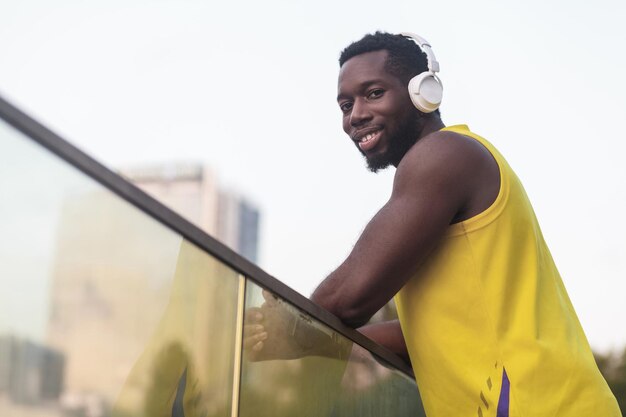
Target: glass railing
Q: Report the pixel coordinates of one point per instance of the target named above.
(113, 305)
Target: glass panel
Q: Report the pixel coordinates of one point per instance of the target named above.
(103, 311)
(294, 365)
(186, 369)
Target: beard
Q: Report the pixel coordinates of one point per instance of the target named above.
(399, 144)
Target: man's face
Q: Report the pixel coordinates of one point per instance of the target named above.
(378, 114)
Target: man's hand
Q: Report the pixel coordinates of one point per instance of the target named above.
(278, 331)
(268, 331)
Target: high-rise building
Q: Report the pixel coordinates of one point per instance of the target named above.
(238, 224)
(30, 372)
(191, 189)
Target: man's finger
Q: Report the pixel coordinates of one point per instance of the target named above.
(270, 298)
(251, 341)
(253, 315)
(250, 330)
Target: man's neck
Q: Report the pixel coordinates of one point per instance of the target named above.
(432, 123)
(429, 124)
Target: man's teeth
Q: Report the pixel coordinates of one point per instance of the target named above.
(368, 137)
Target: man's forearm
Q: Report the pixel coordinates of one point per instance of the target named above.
(333, 295)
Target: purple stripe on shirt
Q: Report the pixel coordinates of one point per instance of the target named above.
(503, 402)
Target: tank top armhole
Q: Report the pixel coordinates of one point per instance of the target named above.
(492, 212)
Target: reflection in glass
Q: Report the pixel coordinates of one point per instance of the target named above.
(103, 311)
(187, 367)
(294, 365)
(369, 389)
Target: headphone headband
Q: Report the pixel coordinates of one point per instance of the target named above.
(433, 65)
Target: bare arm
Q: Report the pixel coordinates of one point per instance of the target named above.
(441, 180)
(436, 183)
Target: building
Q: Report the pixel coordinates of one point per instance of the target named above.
(29, 372)
(191, 189)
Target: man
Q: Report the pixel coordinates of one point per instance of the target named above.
(483, 314)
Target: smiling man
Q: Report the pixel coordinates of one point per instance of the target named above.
(483, 314)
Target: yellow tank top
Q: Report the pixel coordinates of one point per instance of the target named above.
(488, 324)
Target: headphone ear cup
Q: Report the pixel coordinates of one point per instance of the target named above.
(426, 92)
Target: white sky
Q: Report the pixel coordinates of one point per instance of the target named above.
(249, 88)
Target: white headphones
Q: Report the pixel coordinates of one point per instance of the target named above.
(425, 89)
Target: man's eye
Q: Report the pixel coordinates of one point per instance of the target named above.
(345, 107)
(377, 93)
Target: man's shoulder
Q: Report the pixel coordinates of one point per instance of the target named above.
(444, 152)
(451, 167)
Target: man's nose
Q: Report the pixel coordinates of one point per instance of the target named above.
(360, 114)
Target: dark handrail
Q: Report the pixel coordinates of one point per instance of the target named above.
(129, 192)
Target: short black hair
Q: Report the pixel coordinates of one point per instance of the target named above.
(405, 59)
